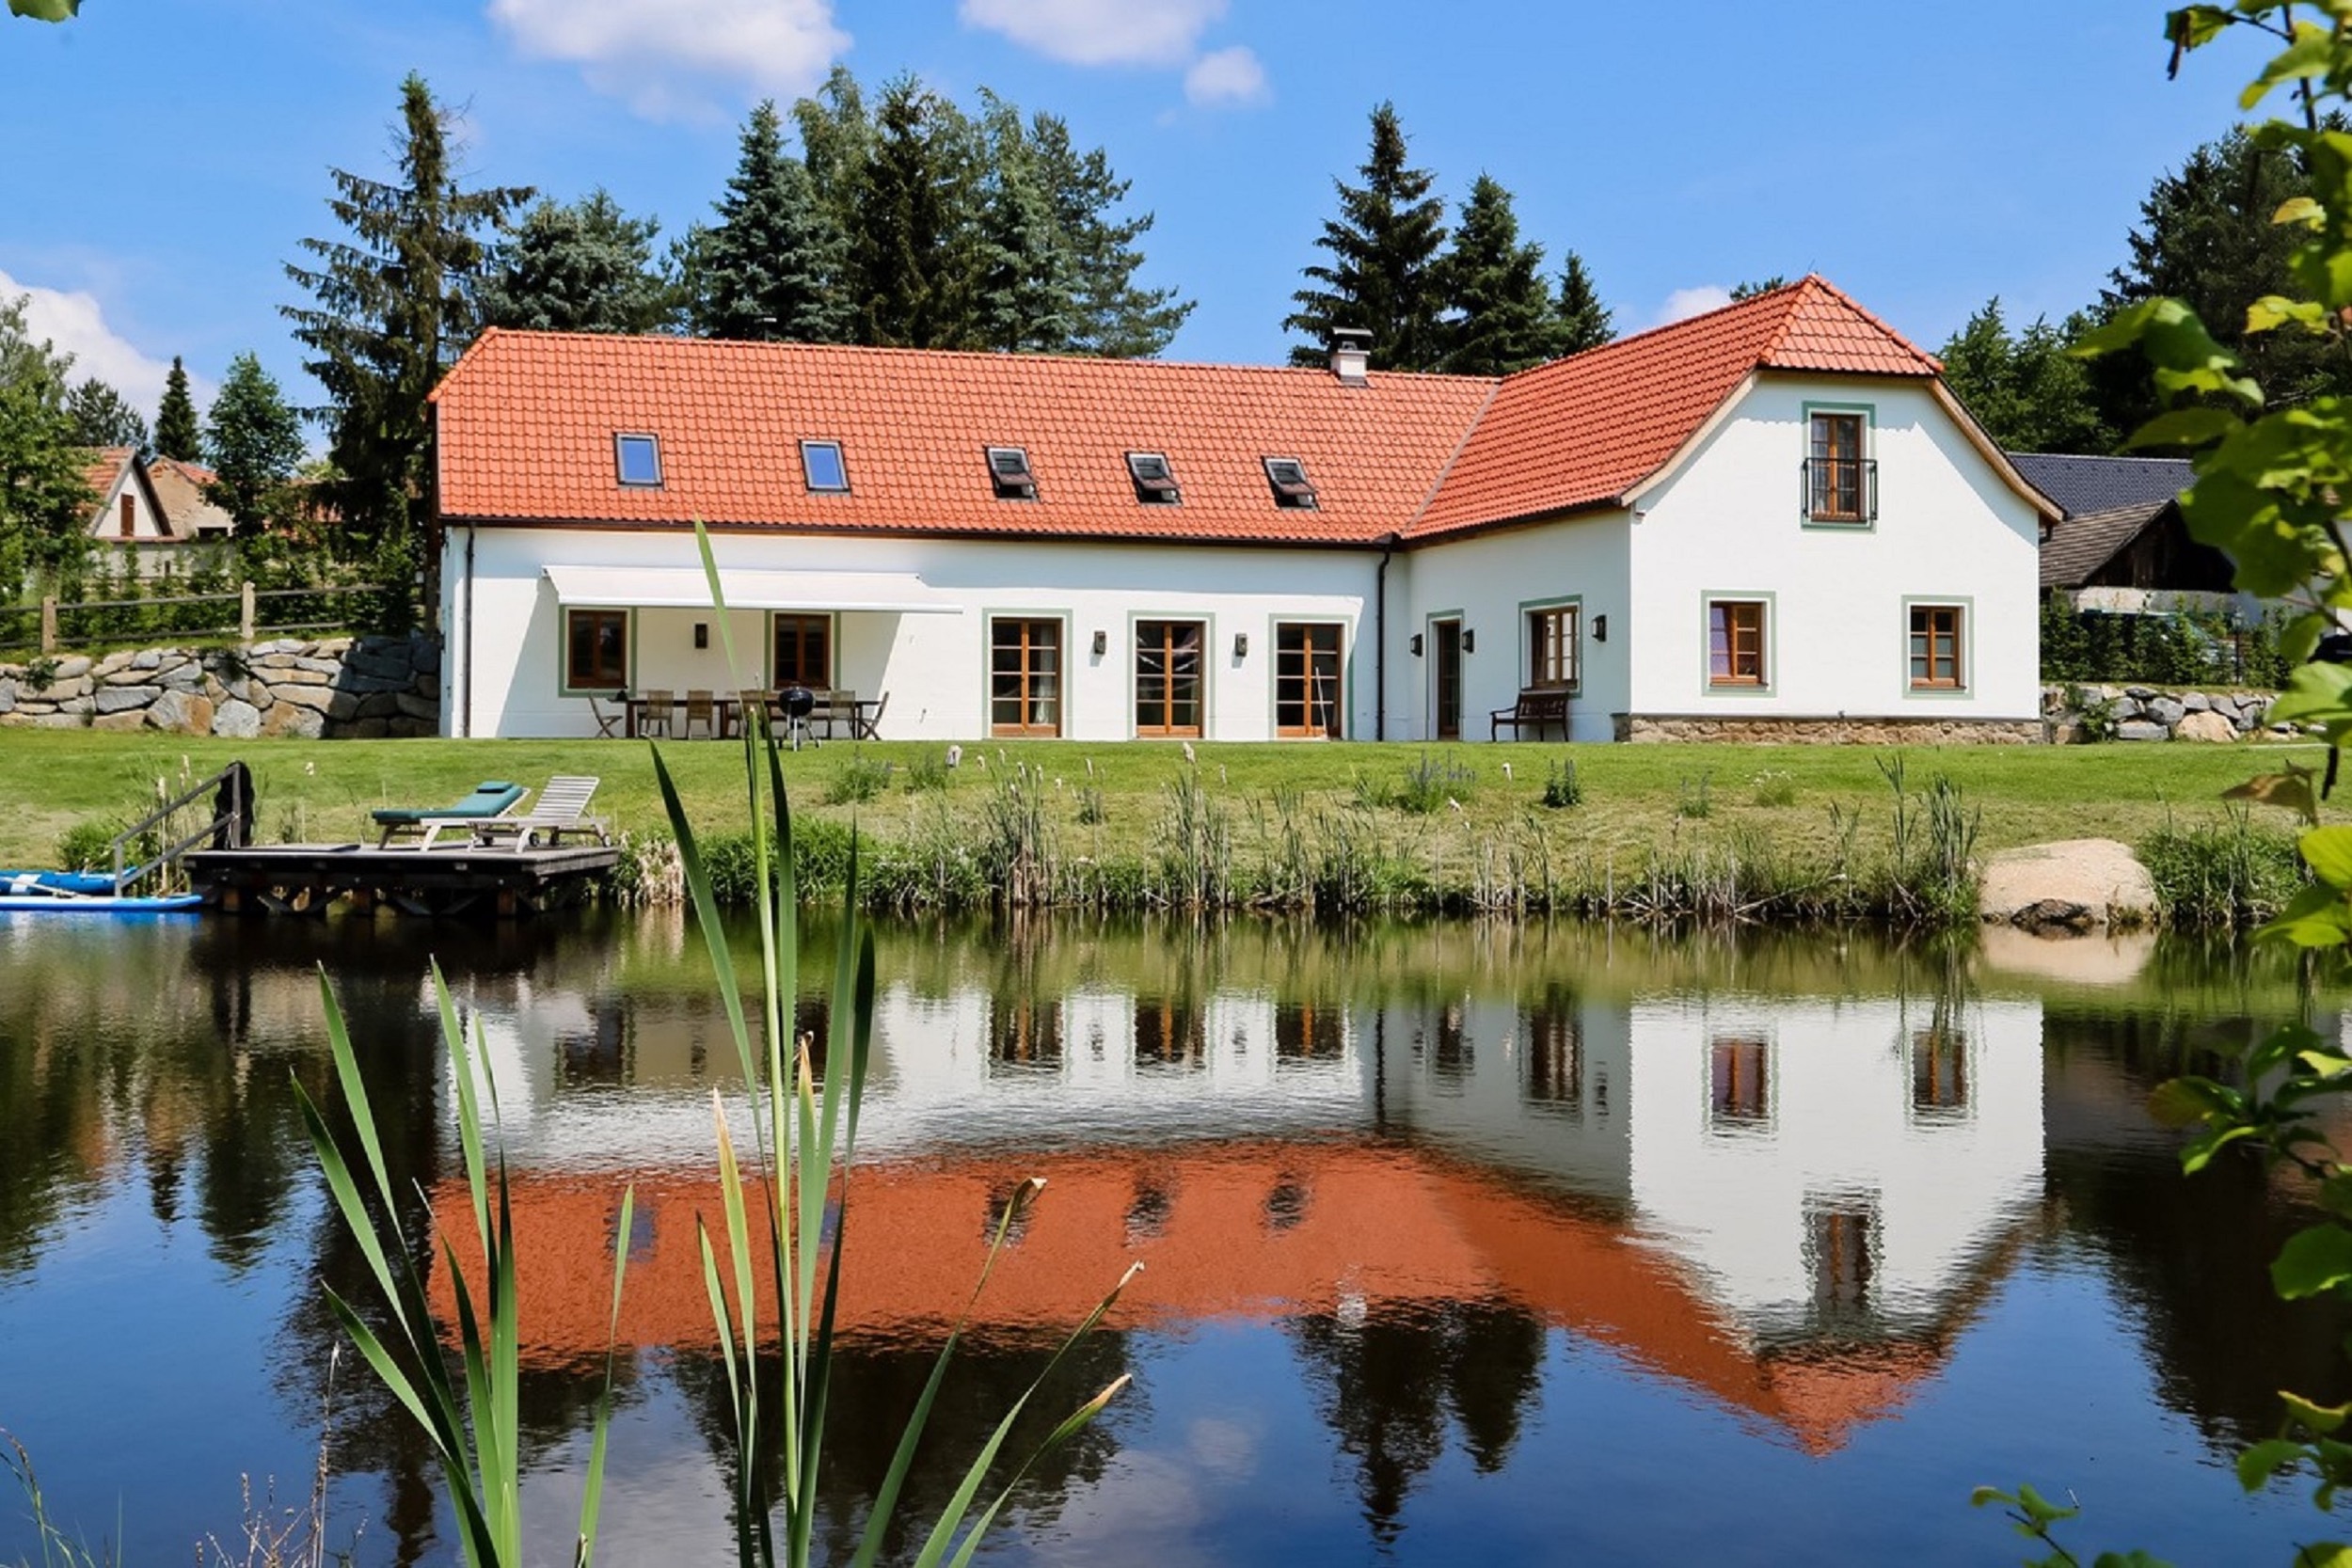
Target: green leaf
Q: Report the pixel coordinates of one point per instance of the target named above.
(47, 10)
(2186, 1102)
(2315, 694)
(2186, 356)
(2201, 1150)
(2311, 54)
(2329, 853)
(2314, 1261)
(2257, 1465)
(2186, 427)
(2302, 209)
(2322, 1419)
(2323, 1554)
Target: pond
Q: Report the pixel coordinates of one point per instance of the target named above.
(1462, 1244)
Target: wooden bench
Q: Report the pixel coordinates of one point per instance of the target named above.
(1539, 707)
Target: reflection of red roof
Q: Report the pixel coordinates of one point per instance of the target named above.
(526, 423)
(1384, 1227)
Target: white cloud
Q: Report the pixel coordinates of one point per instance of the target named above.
(1226, 78)
(1685, 303)
(663, 59)
(76, 324)
(1099, 32)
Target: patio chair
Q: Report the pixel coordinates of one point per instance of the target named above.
(558, 811)
(490, 798)
(748, 706)
(659, 707)
(869, 726)
(609, 724)
(700, 710)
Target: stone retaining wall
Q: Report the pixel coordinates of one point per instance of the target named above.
(335, 688)
(1833, 732)
(2076, 713)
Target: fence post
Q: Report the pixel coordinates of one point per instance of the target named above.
(244, 612)
(49, 623)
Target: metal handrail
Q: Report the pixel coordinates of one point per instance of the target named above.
(234, 818)
(1819, 490)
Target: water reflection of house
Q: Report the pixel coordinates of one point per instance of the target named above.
(1789, 1204)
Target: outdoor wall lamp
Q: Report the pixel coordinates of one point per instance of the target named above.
(1101, 643)
(1601, 628)
(1241, 644)
(1470, 641)
(702, 634)
(1415, 644)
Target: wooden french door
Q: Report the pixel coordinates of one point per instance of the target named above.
(1169, 677)
(1308, 699)
(1446, 671)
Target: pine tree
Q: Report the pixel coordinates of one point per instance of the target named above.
(44, 503)
(914, 259)
(766, 270)
(176, 431)
(1113, 317)
(1384, 248)
(254, 443)
(1584, 321)
(1499, 316)
(583, 266)
(103, 418)
(1026, 296)
(394, 304)
(2027, 391)
(1750, 288)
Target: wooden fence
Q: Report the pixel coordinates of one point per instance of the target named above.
(248, 625)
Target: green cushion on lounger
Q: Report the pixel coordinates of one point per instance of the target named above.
(490, 798)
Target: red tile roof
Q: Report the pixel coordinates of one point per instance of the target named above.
(103, 465)
(526, 422)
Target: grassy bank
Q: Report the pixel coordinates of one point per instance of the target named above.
(1767, 831)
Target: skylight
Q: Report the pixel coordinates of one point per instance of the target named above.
(1288, 476)
(1009, 471)
(638, 459)
(821, 462)
(1154, 481)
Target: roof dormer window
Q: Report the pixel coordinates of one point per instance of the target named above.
(821, 462)
(637, 460)
(1156, 482)
(1009, 471)
(1288, 476)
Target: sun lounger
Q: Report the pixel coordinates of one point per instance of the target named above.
(491, 797)
(558, 811)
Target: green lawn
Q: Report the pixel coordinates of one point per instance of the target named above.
(323, 790)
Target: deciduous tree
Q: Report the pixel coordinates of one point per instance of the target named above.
(103, 418)
(254, 443)
(1381, 275)
(44, 500)
(2030, 390)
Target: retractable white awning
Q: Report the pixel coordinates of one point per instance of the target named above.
(687, 588)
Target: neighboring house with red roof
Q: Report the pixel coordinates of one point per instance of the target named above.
(1773, 519)
(150, 510)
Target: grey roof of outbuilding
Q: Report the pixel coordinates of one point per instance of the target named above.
(2080, 546)
(2083, 484)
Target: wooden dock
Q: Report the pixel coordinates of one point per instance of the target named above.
(309, 878)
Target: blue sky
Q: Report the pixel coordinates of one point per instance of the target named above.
(166, 156)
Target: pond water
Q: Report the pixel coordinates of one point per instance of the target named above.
(1463, 1243)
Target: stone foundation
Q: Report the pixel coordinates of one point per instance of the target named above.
(2075, 714)
(334, 687)
(1764, 731)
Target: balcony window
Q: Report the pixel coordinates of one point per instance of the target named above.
(1841, 481)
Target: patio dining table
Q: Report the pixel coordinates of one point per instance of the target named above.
(862, 716)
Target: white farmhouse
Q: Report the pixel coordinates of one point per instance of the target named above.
(1771, 521)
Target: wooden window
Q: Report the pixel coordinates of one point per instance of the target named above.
(596, 643)
(1740, 1087)
(1307, 691)
(130, 515)
(1837, 491)
(1024, 1034)
(1939, 1073)
(1025, 677)
(1935, 664)
(1304, 1032)
(1554, 1055)
(1552, 647)
(1735, 642)
(803, 647)
(1842, 1239)
(1169, 1035)
(1169, 677)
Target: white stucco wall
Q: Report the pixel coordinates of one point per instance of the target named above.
(933, 666)
(1730, 522)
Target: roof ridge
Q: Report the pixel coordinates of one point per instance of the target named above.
(1795, 292)
(2101, 457)
(1841, 296)
(1445, 469)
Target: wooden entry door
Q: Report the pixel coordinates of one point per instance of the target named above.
(1446, 671)
(1306, 693)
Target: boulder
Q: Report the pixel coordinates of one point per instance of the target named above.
(2142, 729)
(134, 719)
(314, 699)
(412, 728)
(237, 719)
(123, 699)
(301, 722)
(2197, 701)
(418, 707)
(290, 675)
(182, 713)
(2205, 726)
(2098, 876)
(109, 664)
(2165, 710)
(147, 659)
(70, 669)
(8, 696)
(378, 704)
(368, 729)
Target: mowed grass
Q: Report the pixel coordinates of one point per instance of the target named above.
(1635, 798)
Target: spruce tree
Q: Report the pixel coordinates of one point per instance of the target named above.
(1382, 247)
(392, 305)
(2027, 391)
(582, 266)
(1113, 317)
(103, 418)
(914, 259)
(1584, 321)
(176, 431)
(765, 270)
(1750, 288)
(253, 442)
(1499, 316)
(1025, 296)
